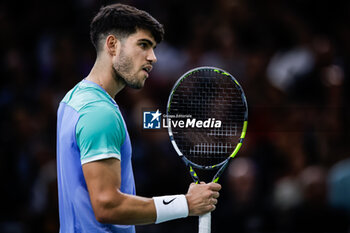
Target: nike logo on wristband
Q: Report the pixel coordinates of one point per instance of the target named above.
(168, 202)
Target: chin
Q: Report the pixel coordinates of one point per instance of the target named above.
(136, 85)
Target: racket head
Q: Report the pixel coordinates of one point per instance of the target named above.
(209, 95)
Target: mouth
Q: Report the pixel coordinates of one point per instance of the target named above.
(147, 69)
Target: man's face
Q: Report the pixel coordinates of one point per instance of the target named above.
(135, 58)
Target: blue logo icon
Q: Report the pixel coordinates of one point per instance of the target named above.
(151, 120)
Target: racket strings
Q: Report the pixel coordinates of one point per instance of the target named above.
(209, 97)
(209, 149)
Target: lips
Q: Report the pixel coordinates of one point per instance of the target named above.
(147, 68)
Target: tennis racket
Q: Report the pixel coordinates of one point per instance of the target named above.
(207, 117)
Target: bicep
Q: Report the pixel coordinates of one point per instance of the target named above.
(103, 180)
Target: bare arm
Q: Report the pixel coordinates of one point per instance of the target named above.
(110, 205)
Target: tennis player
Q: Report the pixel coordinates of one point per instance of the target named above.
(95, 178)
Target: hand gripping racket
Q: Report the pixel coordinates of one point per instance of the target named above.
(207, 117)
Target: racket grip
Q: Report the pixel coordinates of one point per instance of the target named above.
(204, 225)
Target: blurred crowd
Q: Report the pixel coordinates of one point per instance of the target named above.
(292, 59)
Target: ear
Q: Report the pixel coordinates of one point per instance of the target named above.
(111, 45)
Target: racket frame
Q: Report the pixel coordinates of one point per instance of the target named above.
(222, 165)
(204, 225)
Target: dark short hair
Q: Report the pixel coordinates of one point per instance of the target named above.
(123, 20)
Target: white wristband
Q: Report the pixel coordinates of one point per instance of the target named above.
(170, 207)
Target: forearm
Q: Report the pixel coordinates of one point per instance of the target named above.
(125, 209)
(112, 206)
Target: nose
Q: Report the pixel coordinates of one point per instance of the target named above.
(151, 56)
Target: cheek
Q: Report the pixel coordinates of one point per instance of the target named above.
(124, 65)
(115, 61)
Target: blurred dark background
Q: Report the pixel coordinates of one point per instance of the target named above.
(292, 59)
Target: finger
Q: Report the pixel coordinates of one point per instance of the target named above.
(215, 195)
(212, 208)
(214, 186)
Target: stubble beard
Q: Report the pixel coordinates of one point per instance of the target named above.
(123, 69)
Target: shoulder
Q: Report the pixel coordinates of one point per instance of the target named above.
(100, 117)
(85, 95)
(100, 112)
(100, 132)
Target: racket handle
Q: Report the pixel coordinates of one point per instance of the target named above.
(205, 223)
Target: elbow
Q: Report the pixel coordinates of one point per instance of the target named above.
(103, 219)
(105, 209)
(102, 214)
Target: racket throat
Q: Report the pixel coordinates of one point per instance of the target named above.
(194, 175)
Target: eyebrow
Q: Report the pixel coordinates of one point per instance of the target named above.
(149, 42)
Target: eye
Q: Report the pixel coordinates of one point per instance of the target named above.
(143, 45)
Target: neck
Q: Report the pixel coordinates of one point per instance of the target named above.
(104, 75)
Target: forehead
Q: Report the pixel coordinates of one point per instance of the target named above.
(142, 34)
